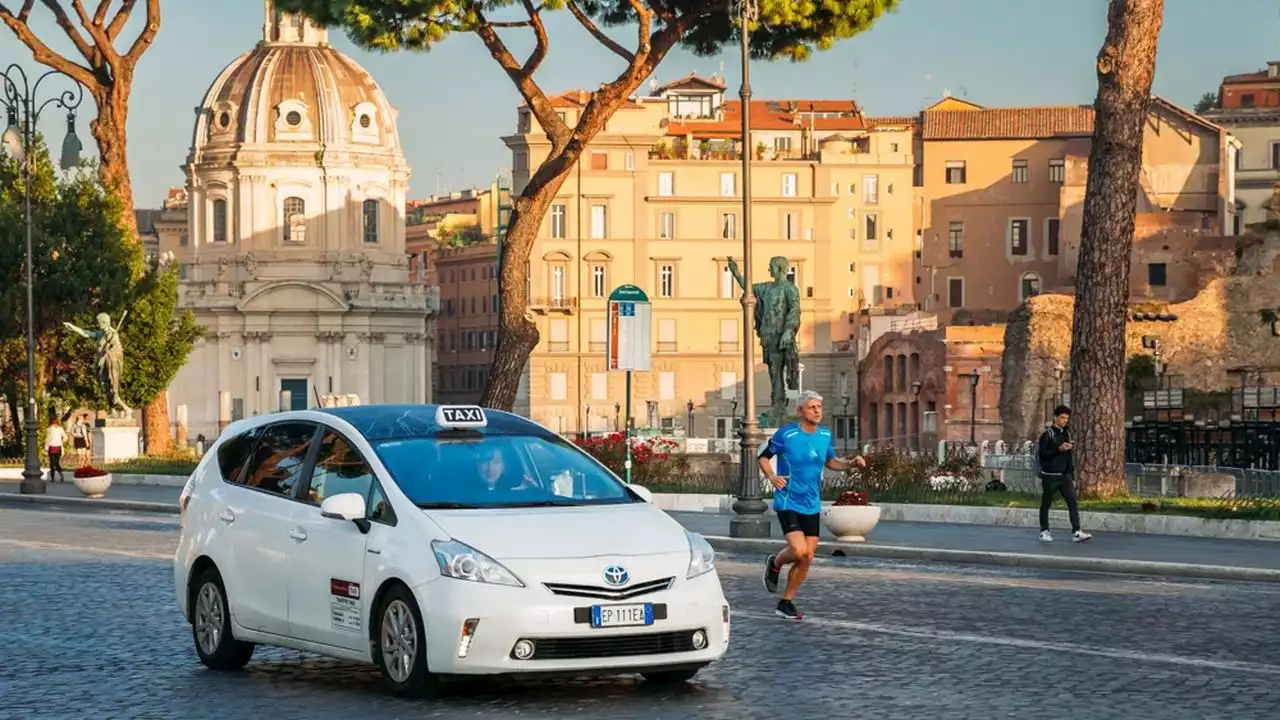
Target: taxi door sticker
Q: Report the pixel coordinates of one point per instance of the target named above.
(344, 605)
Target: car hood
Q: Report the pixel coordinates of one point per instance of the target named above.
(570, 532)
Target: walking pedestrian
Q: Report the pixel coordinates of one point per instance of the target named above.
(803, 449)
(1057, 474)
(54, 438)
(80, 437)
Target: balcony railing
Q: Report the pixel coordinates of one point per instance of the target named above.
(554, 303)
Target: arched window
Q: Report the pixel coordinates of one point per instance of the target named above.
(370, 222)
(219, 220)
(295, 213)
(1030, 285)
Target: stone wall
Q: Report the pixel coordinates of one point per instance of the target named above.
(1225, 327)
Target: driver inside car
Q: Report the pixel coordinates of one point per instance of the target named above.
(497, 475)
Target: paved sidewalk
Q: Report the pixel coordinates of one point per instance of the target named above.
(1107, 552)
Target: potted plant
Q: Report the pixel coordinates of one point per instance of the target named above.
(92, 482)
(851, 517)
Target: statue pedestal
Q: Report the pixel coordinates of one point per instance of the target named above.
(116, 440)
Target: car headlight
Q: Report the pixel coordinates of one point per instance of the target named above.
(702, 557)
(462, 562)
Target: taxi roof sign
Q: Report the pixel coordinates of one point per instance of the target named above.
(461, 416)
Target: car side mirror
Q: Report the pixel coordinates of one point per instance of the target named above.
(349, 507)
(643, 492)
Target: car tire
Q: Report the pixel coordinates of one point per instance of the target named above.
(670, 677)
(211, 625)
(400, 648)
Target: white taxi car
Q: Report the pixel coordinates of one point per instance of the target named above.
(436, 542)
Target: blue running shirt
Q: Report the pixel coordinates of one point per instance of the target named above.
(802, 456)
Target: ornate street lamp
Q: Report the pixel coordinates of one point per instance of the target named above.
(916, 387)
(749, 519)
(23, 114)
(973, 405)
(689, 428)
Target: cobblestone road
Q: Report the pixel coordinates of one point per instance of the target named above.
(89, 629)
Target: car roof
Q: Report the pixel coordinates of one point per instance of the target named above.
(396, 422)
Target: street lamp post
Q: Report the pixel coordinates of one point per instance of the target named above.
(916, 386)
(749, 519)
(23, 114)
(848, 424)
(689, 409)
(973, 406)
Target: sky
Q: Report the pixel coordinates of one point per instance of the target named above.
(455, 103)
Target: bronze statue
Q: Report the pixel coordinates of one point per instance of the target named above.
(777, 320)
(110, 359)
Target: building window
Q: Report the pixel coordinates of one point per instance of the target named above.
(666, 281)
(599, 386)
(559, 383)
(888, 373)
(955, 292)
(667, 226)
(599, 222)
(1018, 236)
(790, 227)
(728, 184)
(729, 334)
(597, 281)
(870, 189)
(792, 274)
(370, 222)
(1030, 286)
(1246, 100)
(557, 283)
(219, 221)
(1275, 156)
(599, 335)
(666, 184)
(871, 222)
(295, 213)
(1057, 171)
(667, 386)
(559, 335)
(629, 161)
(1019, 171)
(789, 184)
(956, 172)
(599, 160)
(1051, 230)
(728, 226)
(559, 215)
(1157, 274)
(955, 240)
(728, 286)
(667, 335)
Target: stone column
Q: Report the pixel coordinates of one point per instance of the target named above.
(224, 410)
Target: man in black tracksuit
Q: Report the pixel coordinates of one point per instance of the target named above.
(1057, 474)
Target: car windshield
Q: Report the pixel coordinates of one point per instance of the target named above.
(474, 470)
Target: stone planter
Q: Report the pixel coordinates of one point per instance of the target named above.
(851, 523)
(94, 487)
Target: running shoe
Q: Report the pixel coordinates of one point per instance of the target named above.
(787, 609)
(771, 573)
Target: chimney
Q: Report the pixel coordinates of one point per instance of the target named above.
(1273, 68)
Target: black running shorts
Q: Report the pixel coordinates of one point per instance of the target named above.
(792, 521)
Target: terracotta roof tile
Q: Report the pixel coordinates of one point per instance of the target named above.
(772, 115)
(1254, 77)
(893, 120)
(1009, 123)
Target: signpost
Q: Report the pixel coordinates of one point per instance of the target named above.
(630, 346)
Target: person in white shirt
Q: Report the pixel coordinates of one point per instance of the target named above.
(55, 438)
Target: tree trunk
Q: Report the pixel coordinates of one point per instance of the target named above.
(155, 425)
(1126, 66)
(517, 335)
(109, 130)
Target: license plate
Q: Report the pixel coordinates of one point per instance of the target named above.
(604, 616)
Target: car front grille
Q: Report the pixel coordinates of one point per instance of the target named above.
(605, 646)
(609, 593)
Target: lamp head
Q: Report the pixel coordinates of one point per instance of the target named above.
(71, 145)
(12, 139)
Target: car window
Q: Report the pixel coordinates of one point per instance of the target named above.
(493, 470)
(233, 453)
(277, 461)
(379, 509)
(339, 469)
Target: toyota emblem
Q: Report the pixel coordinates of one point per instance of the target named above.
(616, 575)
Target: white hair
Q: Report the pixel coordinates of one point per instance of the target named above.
(806, 396)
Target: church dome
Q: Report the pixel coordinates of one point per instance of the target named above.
(294, 88)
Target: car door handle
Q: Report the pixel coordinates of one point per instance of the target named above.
(298, 535)
(227, 516)
(373, 551)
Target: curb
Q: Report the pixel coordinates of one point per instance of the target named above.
(136, 506)
(1025, 560)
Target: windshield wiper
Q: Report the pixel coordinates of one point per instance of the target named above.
(446, 506)
(539, 503)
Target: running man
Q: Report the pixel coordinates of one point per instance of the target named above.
(803, 448)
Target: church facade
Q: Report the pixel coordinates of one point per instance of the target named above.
(293, 253)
